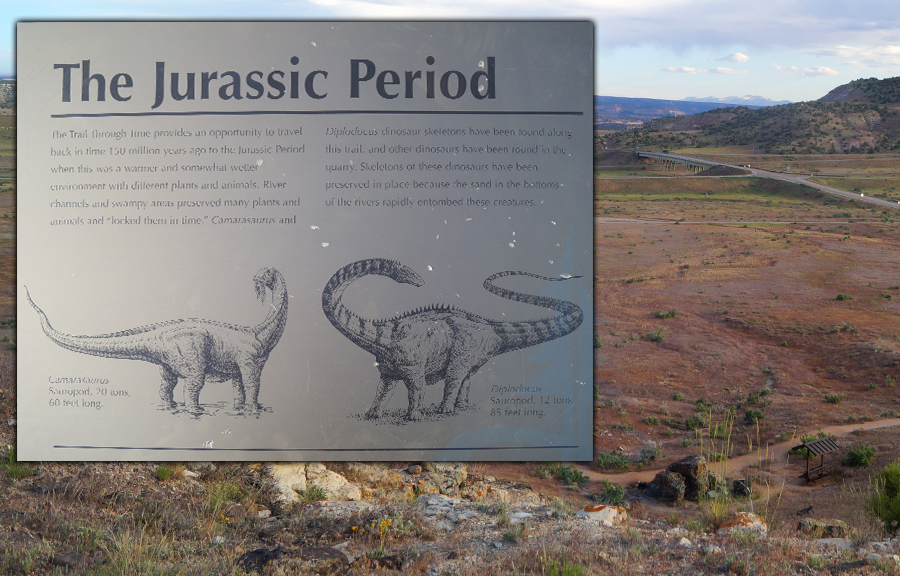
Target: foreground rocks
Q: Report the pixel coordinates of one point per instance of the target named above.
(467, 537)
(295, 479)
(402, 523)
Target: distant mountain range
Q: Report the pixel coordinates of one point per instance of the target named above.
(616, 113)
(862, 116)
(740, 100)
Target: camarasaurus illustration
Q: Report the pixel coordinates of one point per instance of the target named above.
(195, 350)
(435, 343)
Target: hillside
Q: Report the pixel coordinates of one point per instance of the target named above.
(866, 91)
(7, 94)
(860, 117)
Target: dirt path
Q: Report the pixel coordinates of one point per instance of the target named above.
(775, 454)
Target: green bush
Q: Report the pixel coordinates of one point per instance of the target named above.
(844, 297)
(613, 494)
(694, 423)
(834, 398)
(753, 416)
(14, 469)
(313, 494)
(655, 336)
(569, 475)
(678, 396)
(612, 460)
(884, 502)
(859, 457)
(164, 472)
(673, 313)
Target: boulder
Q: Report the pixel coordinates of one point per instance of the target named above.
(667, 485)
(603, 514)
(335, 486)
(322, 560)
(290, 479)
(696, 476)
(328, 508)
(839, 543)
(402, 495)
(740, 488)
(255, 560)
(373, 475)
(747, 522)
(294, 478)
(825, 528)
(448, 477)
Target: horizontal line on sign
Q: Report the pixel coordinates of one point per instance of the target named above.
(168, 448)
(331, 112)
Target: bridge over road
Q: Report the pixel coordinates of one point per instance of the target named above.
(697, 164)
(669, 160)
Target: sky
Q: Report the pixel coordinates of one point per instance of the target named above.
(671, 49)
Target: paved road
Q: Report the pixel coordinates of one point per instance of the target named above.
(796, 179)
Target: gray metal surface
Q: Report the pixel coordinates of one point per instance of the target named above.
(305, 240)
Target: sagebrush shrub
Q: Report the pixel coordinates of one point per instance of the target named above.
(860, 456)
(884, 502)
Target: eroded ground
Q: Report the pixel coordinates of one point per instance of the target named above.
(786, 318)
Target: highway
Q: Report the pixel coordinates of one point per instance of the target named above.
(796, 179)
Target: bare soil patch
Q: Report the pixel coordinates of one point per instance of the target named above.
(758, 330)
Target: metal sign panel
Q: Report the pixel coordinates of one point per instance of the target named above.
(305, 240)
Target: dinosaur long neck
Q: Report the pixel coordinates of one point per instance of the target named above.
(517, 335)
(269, 331)
(365, 333)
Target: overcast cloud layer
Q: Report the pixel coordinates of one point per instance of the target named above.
(872, 26)
(796, 49)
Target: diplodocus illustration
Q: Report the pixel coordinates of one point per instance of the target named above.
(195, 350)
(438, 342)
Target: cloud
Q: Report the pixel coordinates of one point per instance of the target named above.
(684, 69)
(735, 57)
(807, 71)
(670, 24)
(690, 70)
(885, 57)
(723, 70)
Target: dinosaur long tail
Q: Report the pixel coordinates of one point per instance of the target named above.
(365, 333)
(128, 345)
(517, 335)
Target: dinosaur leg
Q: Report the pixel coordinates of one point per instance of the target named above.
(250, 374)
(452, 385)
(193, 384)
(456, 388)
(384, 390)
(462, 401)
(237, 385)
(415, 387)
(167, 386)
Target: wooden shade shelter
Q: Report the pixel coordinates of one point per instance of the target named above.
(819, 447)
